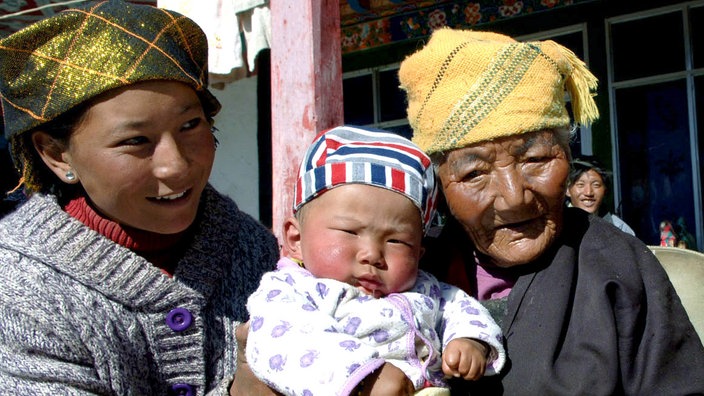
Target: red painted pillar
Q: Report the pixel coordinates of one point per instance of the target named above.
(306, 88)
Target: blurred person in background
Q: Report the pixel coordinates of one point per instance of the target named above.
(586, 189)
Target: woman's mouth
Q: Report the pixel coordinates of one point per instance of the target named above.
(527, 228)
(170, 197)
(518, 226)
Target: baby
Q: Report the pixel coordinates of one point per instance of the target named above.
(350, 302)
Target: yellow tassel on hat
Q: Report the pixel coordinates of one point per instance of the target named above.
(580, 82)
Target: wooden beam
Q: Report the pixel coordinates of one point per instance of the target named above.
(306, 89)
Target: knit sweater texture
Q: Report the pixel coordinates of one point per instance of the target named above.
(80, 314)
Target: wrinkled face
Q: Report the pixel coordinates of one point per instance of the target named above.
(365, 236)
(508, 194)
(588, 191)
(143, 154)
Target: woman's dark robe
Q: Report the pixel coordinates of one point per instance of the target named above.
(595, 315)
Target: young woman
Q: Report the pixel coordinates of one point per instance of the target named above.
(125, 272)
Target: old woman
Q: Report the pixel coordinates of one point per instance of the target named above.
(584, 307)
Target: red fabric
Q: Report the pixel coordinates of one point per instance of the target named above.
(159, 249)
(492, 282)
(398, 180)
(457, 276)
(338, 173)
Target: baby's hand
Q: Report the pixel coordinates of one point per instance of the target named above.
(465, 358)
(387, 380)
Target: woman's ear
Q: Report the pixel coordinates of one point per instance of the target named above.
(54, 156)
(292, 238)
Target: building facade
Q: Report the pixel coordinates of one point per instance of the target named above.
(648, 56)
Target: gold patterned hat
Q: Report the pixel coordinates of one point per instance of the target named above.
(59, 62)
(466, 87)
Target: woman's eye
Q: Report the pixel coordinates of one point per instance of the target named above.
(135, 141)
(469, 176)
(536, 159)
(192, 123)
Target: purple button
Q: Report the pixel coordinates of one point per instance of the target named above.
(179, 319)
(182, 390)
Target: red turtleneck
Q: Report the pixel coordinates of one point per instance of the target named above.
(159, 249)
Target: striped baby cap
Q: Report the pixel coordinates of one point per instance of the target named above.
(351, 154)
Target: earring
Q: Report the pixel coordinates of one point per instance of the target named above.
(70, 176)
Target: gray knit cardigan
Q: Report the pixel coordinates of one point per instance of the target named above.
(80, 314)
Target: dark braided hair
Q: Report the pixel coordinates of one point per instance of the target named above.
(35, 176)
(581, 165)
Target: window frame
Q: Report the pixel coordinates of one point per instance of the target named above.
(688, 75)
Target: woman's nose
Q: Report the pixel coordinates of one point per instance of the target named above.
(510, 189)
(169, 160)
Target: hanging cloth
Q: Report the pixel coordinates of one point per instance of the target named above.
(226, 23)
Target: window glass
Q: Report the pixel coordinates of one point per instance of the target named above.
(696, 25)
(358, 100)
(654, 156)
(403, 130)
(649, 46)
(699, 91)
(572, 41)
(392, 100)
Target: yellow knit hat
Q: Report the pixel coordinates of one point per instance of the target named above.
(466, 87)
